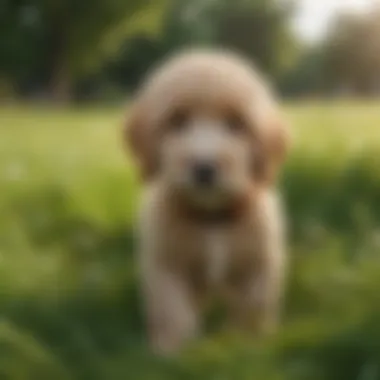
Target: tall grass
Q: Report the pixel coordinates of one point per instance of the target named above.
(69, 302)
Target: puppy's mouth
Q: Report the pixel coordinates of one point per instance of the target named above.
(205, 193)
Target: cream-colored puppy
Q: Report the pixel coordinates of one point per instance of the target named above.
(208, 140)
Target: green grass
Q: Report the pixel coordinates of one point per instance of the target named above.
(69, 304)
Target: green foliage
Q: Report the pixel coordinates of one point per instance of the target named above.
(52, 43)
(68, 50)
(307, 76)
(257, 29)
(54, 46)
(69, 300)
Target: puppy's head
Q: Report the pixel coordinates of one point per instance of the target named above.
(206, 124)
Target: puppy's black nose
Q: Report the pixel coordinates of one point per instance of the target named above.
(204, 174)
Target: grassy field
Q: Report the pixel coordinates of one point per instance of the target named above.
(69, 305)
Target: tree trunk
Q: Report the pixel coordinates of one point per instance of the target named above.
(60, 83)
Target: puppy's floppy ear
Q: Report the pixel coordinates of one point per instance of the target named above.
(139, 142)
(274, 147)
(279, 139)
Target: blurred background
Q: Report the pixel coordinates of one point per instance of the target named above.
(69, 300)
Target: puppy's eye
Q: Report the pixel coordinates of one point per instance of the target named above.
(235, 123)
(178, 120)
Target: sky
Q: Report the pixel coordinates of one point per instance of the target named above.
(313, 17)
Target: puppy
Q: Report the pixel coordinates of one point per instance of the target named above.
(208, 140)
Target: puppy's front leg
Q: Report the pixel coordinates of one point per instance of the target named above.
(255, 301)
(170, 313)
(257, 296)
(264, 296)
(171, 316)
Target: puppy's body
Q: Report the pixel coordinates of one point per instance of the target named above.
(210, 219)
(183, 264)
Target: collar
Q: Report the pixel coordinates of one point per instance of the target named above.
(225, 215)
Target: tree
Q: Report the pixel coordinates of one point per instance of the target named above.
(20, 50)
(307, 76)
(184, 23)
(72, 37)
(353, 53)
(257, 28)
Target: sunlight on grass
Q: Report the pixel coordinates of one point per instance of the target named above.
(69, 302)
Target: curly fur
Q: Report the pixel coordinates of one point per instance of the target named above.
(229, 242)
